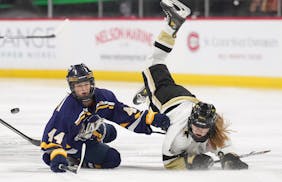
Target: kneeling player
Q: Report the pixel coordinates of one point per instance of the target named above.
(78, 119)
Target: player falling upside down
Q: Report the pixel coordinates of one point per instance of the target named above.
(196, 128)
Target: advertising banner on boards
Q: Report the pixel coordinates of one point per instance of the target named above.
(220, 47)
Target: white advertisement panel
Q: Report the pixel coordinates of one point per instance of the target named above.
(29, 53)
(103, 45)
(220, 47)
(229, 47)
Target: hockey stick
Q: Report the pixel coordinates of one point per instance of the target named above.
(75, 169)
(31, 140)
(159, 132)
(56, 32)
(29, 37)
(38, 142)
(249, 154)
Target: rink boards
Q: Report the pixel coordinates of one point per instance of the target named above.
(224, 52)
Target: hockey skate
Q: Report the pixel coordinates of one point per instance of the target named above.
(140, 96)
(176, 13)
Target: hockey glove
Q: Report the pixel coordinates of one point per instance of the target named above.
(157, 120)
(58, 157)
(232, 161)
(89, 128)
(199, 162)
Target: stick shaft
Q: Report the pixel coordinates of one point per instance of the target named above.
(74, 169)
(249, 154)
(254, 153)
(29, 37)
(31, 140)
(53, 35)
(83, 150)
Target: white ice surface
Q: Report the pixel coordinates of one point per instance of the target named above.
(255, 116)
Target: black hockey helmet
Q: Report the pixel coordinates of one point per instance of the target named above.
(80, 73)
(203, 115)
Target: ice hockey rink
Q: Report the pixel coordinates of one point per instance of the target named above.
(254, 114)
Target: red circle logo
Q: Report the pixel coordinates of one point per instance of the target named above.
(193, 41)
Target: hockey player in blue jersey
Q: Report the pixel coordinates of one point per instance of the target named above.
(79, 118)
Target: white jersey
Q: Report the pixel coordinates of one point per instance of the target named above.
(177, 140)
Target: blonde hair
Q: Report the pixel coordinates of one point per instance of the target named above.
(221, 133)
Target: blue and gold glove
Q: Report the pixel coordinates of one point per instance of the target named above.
(157, 120)
(58, 157)
(90, 128)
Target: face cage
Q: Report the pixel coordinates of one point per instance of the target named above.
(91, 93)
(200, 139)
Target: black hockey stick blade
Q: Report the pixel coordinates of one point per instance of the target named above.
(35, 142)
(31, 140)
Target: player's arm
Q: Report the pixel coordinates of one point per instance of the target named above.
(130, 117)
(54, 143)
(229, 159)
(139, 121)
(186, 161)
(179, 161)
(93, 127)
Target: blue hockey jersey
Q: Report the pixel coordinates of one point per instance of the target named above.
(65, 122)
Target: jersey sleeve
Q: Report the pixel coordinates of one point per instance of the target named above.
(54, 133)
(178, 118)
(124, 115)
(53, 137)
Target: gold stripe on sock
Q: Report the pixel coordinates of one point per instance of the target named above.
(166, 38)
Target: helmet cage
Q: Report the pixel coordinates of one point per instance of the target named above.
(203, 115)
(78, 74)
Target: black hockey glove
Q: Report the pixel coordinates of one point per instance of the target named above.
(232, 161)
(157, 120)
(199, 162)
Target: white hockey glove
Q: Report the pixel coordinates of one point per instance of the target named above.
(89, 128)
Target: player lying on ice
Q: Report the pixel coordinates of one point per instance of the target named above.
(196, 128)
(78, 119)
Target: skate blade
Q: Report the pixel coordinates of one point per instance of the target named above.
(182, 10)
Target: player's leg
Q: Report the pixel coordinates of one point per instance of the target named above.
(176, 13)
(164, 94)
(99, 155)
(159, 85)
